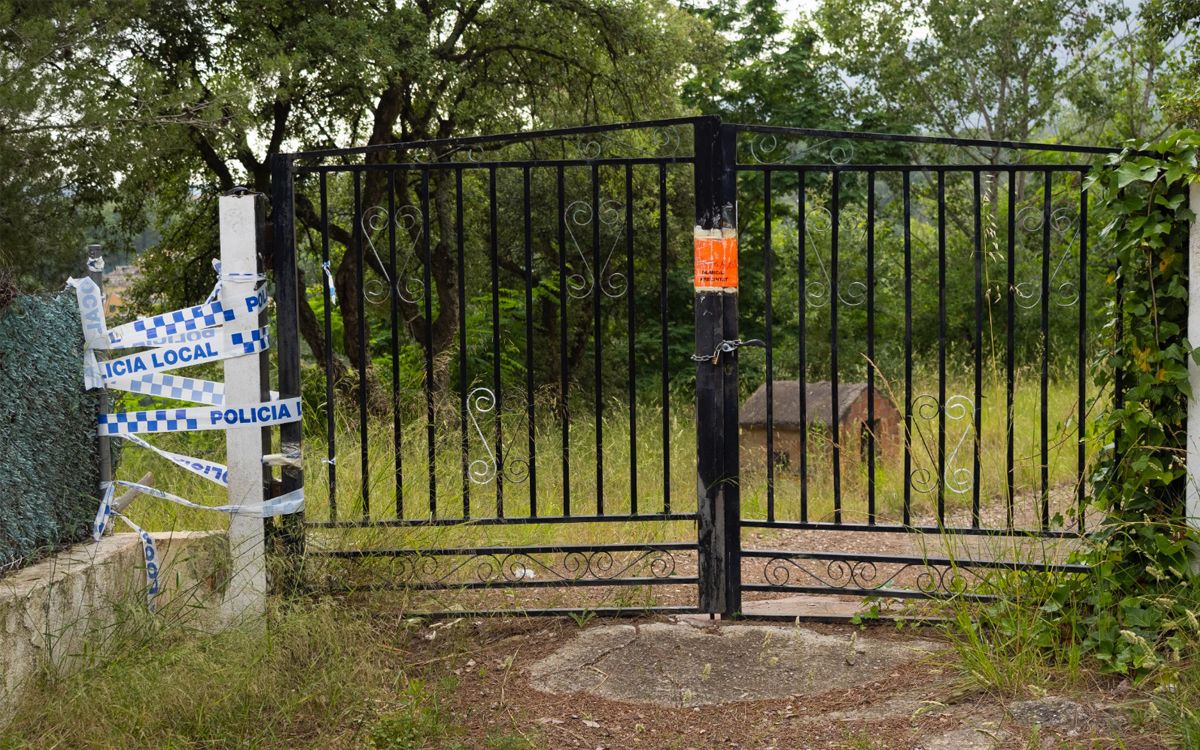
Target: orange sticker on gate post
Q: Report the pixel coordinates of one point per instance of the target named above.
(716, 260)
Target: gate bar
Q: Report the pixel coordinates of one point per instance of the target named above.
(1192, 489)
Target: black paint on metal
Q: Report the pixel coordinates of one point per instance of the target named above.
(718, 493)
(515, 248)
(287, 346)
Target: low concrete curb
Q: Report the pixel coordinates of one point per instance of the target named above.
(50, 611)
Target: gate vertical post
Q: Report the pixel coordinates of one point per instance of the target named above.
(716, 316)
(287, 347)
(1192, 490)
(96, 272)
(241, 216)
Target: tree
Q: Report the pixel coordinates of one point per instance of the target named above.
(970, 68)
(770, 73)
(56, 162)
(1177, 23)
(210, 90)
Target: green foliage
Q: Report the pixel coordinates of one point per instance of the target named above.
(56, 160)
(1142, 554)
(1176, 23)
(234, 83)
(770, 73)
(49, 461)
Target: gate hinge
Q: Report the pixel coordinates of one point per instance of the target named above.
(727, 346)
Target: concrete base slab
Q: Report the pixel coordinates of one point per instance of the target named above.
(676, 664)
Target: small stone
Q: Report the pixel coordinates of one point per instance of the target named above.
(1050, 711)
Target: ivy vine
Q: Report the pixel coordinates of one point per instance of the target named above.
(1139, 605)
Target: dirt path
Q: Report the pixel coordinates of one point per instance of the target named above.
(671, 685)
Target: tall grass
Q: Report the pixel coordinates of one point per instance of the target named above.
(470, 484)
(307, 680)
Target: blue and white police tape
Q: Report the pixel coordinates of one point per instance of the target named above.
(149, 550)
(234, 276)
(164, 385)
(151, 330)
(91, 312)
(210, 470)
(329, 284)
(104, 513)
(186, 349)
(150, 555)
(199, 418)
(174, 387)
(292, 502)
(147, 331)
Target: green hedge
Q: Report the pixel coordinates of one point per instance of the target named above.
(49, 461)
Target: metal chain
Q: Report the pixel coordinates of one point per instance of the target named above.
(727, 346)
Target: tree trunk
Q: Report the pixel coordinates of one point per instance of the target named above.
(440, 255)
(350, 302)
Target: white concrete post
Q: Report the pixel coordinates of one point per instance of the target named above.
(246, 596)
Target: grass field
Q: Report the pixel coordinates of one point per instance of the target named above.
(643, 463)
(326, 675)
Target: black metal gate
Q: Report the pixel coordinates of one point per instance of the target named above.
(508, 424)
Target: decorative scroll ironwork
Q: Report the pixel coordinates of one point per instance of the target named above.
(663, 142)
(485, 470)
(512, 568)
(408, 224)
(581, 284)
(766, 148)
(867, 575)
(1064, 225)
(956, 478)
(818, 229)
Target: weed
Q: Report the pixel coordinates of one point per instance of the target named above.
(1004, 646)
(1176, 702)
(418, 722)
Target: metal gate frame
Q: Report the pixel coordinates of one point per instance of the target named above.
(720, 549)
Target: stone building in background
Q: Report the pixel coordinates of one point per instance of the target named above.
(852, 422)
